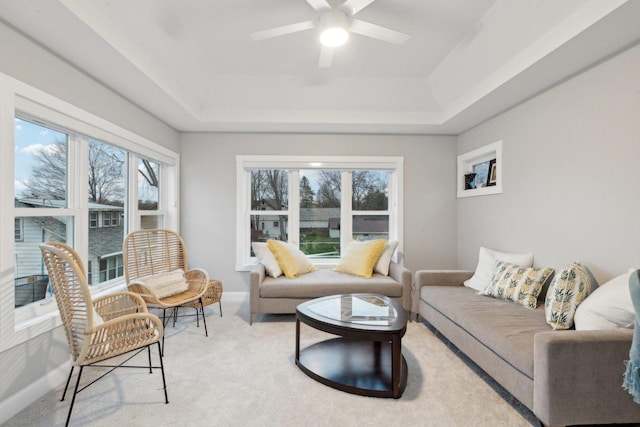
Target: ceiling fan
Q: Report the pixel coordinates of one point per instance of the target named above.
(334, 24)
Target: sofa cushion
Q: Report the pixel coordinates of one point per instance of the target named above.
(504, 328)
(291, 260)
(487, 263)
(517, 284)
(567, 290)
(322, 282)
(359, 258)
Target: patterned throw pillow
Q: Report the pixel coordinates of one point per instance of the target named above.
(568, 289)
(517, 284)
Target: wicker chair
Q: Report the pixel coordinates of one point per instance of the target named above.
(150, 252)
(102, 328)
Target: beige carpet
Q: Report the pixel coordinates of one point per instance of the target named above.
(245, 375)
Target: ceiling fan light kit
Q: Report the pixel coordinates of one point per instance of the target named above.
(333, 26)
(335, 23)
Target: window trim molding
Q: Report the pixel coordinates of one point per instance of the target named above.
(244, 163)
(18, 325)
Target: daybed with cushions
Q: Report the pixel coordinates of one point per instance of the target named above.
(565, 377)
(274, 289)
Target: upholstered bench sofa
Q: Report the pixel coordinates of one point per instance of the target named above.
(565, 377)
(282, 295)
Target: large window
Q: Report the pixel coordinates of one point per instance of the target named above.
(69, 176)
(319, 204)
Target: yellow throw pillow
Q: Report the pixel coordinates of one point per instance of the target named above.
(359, 258)
(292, 260)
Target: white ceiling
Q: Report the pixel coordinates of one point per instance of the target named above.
(192, 63)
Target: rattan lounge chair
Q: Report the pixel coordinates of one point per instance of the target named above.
(102, 328)
(151, 253)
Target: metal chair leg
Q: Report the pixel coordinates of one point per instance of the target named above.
(73, 399)
(64, 393)
(204, 318)
(149, 352)
(220, 305)
(164, 382)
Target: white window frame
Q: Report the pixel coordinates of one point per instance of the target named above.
(18, 325)
(246, 163)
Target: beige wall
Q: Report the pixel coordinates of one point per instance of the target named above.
(571, 175)
(209, 192)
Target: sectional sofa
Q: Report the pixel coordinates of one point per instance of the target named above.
(565, 377)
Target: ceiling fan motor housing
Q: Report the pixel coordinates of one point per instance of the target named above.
(333, 27)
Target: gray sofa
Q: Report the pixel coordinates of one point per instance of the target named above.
(282, 295)
(564, 377)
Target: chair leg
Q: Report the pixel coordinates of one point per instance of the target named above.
(164, 382)
(204, 319)
(73, 399)
(149, 352)
(198, 316)
(64, 393)
(220, 305)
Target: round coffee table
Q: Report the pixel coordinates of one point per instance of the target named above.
(366, 358)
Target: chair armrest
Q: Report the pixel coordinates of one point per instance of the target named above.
(119, 304)
(436, 278)
(198, 280)
(120, 335)
(256, 277)
(578, 377)
(403, 276)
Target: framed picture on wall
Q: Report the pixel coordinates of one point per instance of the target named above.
(493, 173)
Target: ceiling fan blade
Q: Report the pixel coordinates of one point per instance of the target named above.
(355, 6)
(319, 4)
(377, 32)
(326, 57)
(281, 31)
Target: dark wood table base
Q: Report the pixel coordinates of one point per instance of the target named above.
(356, 366)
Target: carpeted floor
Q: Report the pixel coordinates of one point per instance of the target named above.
(245, 375)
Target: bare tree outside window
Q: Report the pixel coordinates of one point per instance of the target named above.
(269, 192)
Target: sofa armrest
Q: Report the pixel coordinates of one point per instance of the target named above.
(435, 278)
(256, 277)
(402, 275)
(578, 377)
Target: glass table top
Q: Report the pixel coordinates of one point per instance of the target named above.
(359, 309)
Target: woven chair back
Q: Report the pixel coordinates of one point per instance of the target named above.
(71, 291)
(148, 252)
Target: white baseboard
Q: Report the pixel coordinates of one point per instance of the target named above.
(235, 296)
(33, 392)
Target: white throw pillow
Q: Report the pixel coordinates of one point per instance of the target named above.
(382, 266)
(486, 266)
(608, 307)
(267, 258)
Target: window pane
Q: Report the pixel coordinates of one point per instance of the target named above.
(269, 190)
(148, 185)
(368, 227)
(40, 166)
(148, 222)
(31, 278)
(265, 227)
(370, 190)
(320, 192)
(107, 172)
